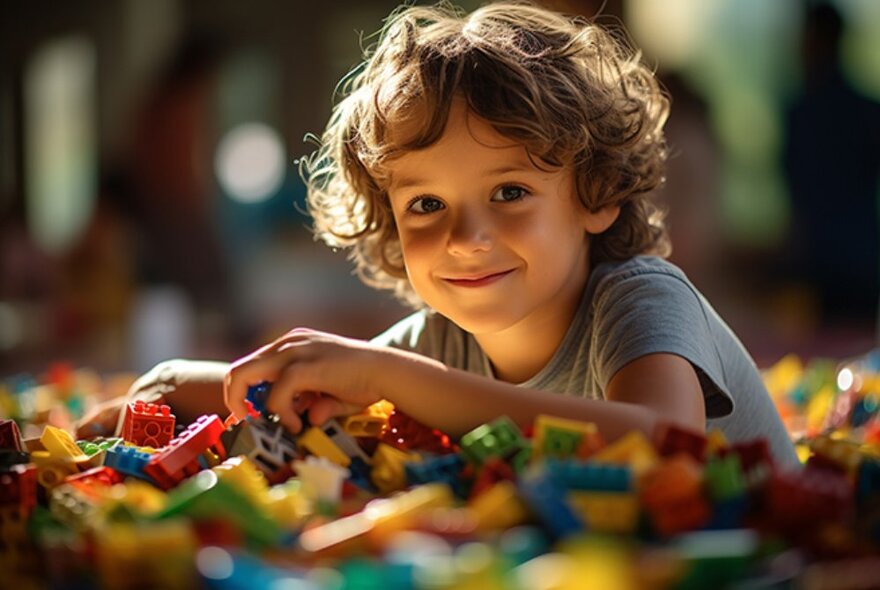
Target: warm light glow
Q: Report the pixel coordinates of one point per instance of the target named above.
(844, 379)
(11, 328)
(60, 141)
(214, 563)
(671, 31)
(250, 162)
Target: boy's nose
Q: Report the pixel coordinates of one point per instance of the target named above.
(470, 233)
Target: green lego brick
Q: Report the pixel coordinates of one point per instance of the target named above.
(206, 496)
(499, 438)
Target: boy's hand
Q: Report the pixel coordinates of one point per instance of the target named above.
(326, 374)
(100, 420)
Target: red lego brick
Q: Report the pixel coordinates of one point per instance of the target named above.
(10, 436)
(801, 499)
(18, 486)
(671, 439)
(180, 458)
(148, 425)
(97, 476)
(405, 433)
(492, 471)
(751, 454)
(680, 517)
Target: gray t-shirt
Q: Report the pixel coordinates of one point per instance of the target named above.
(629, 309)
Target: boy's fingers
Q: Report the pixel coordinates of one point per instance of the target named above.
(304, 401)
(250, 371)
(234, 401)
(290, 420)
(327, 407)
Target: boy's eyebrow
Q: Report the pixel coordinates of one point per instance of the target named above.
(404, 182)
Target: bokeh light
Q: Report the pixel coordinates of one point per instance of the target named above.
(250, 162)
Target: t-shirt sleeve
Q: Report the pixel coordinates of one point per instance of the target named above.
(407, 334)
(647, 313)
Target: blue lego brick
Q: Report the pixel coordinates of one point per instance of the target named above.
(577, 475)
(258, 395)
(868, 481)
(440, 468)
(220, 569)
(729, 514)
(546, 499)
(128, 461)
(360, 475)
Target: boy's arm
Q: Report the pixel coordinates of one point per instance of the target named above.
(352, 374)
(191, 388)
(651, 389)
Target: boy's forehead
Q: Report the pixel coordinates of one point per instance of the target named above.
(468, 136)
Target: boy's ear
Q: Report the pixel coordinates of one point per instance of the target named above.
(595, 222)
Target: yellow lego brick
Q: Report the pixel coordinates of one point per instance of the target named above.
(396, 512)
(784, 376)
(138, 496)
(13, 524)
(499, 507)
(315, 441)
(149, 450)
(52, 470)
(60, 444)
(380, 519)
(77, 510)
(606, 512)
(246, 478)
(372, 421)
(870, 450)
(289, 505)
(803, 452)
(161, 554)
(818, 409)
(549, 428)
(843, 453)
(633, 450)
(364, 425)
(594, 561)
(20, 561)
(382, 408)
(715, 441)
(389, 468)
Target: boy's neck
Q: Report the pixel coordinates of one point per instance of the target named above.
(522, 351)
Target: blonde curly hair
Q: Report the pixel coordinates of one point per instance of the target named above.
(570, 91)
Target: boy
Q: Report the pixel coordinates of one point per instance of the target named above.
(495, 171)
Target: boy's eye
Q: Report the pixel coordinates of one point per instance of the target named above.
(509, 193)
(423, 205)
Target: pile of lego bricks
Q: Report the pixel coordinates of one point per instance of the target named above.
(828, 397)
(378, 500)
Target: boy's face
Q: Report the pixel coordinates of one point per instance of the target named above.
(489, 240)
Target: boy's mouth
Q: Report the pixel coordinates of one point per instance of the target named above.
(478, 280)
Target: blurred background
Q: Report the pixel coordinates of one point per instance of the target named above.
(150, 206)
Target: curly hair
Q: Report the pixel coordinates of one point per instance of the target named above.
(573, 93)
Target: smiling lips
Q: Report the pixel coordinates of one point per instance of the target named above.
(478, 281)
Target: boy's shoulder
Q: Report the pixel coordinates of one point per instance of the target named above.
(630, 284)
(607, 274)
